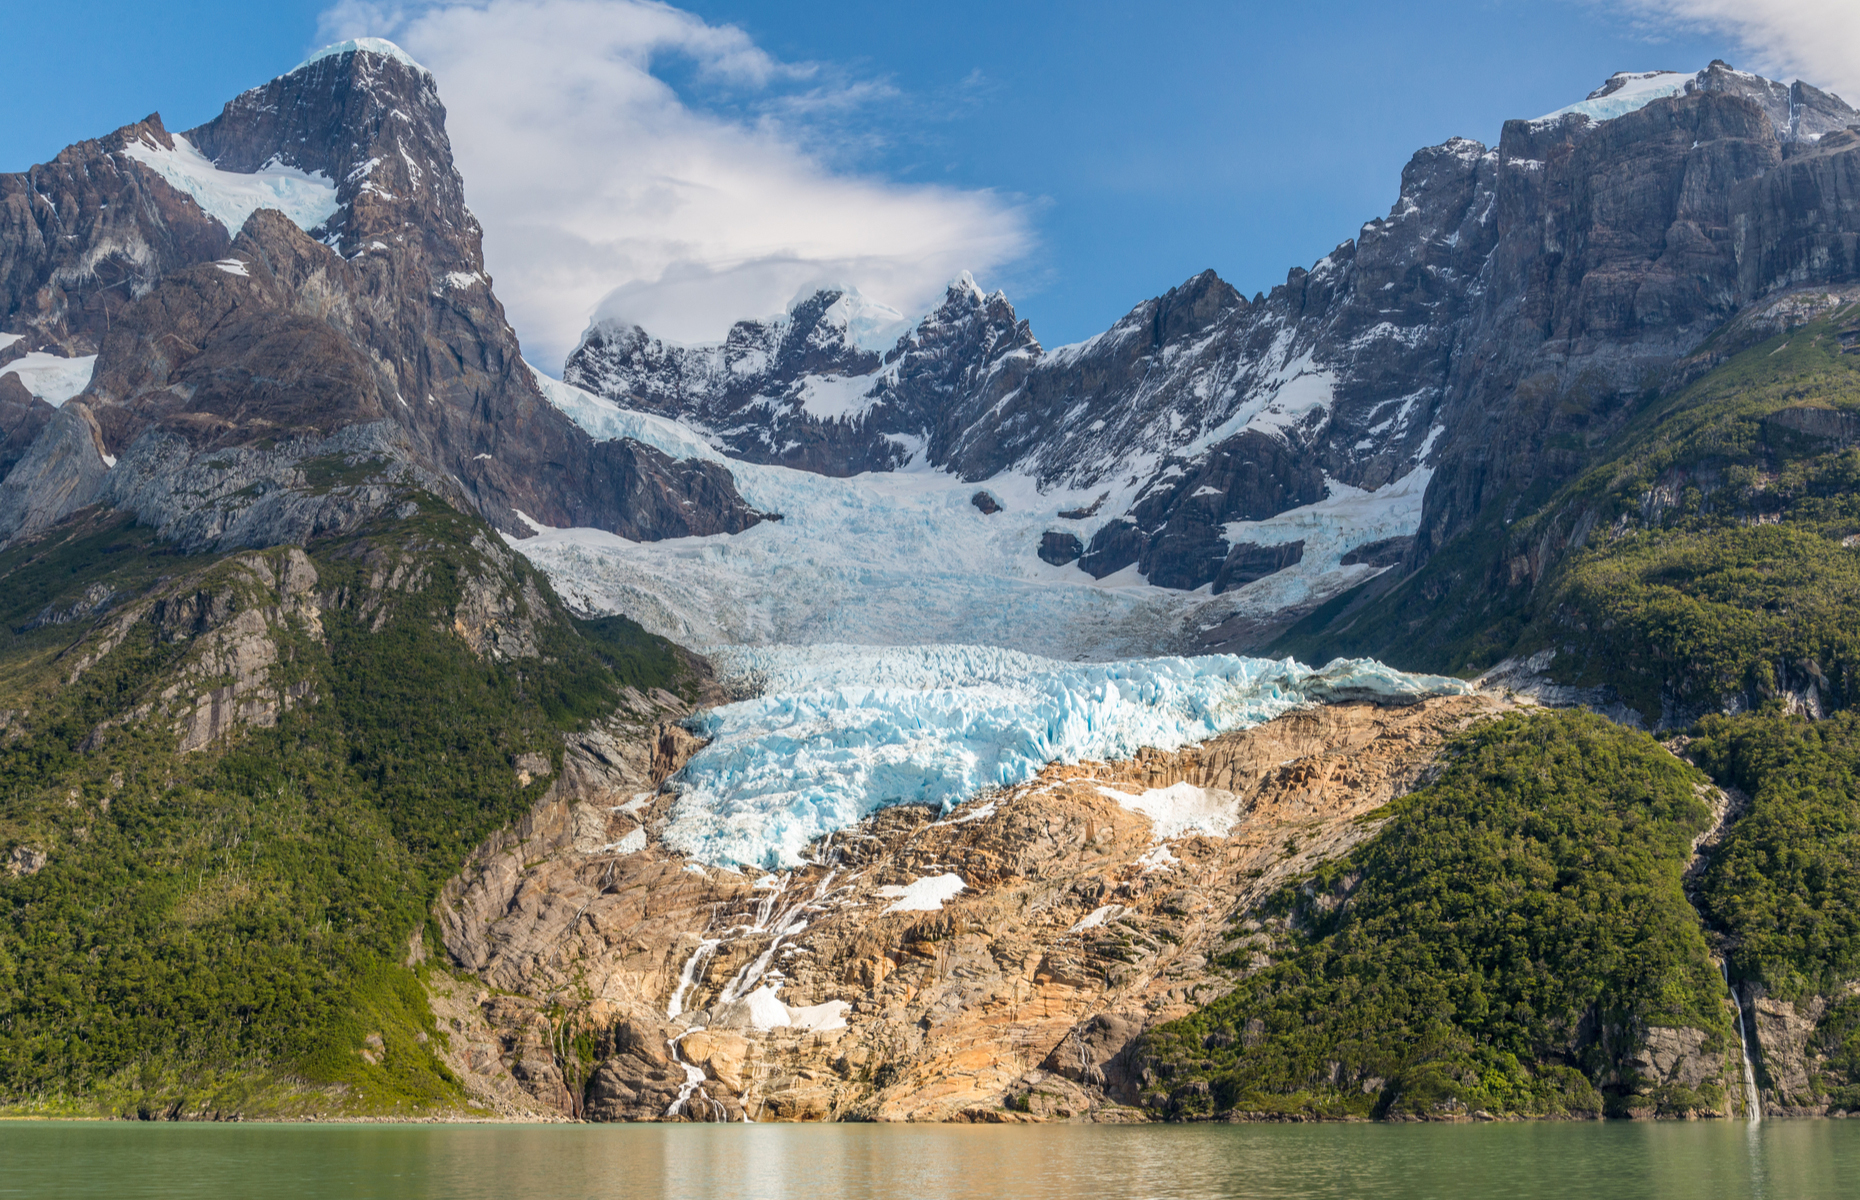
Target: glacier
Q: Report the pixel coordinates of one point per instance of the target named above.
(840, 731)
(1638, 89)
(906, 557)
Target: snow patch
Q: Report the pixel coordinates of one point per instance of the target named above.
(923, 895)
(1097, 917)
(632, 843)
(51, 378)
(234, 266)
(230, 197)
(370, 45)
(763, 1010)
(1161, 858)
(1182, 808)
(836, 397)
(820, 1018)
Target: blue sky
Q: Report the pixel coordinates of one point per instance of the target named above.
(1089, 154)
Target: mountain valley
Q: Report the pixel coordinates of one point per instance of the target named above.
(886, 717)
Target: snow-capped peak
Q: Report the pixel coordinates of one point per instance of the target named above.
(869, 324)
(965, 282)
(1624, 92)
(381, 46)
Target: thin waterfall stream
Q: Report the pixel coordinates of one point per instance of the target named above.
(1753, 1103)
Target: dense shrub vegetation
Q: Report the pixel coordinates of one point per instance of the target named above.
(1785, 885)
(1498, 945)
(218, 926)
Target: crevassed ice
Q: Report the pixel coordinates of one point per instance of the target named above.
(307, 198)
(841, 731)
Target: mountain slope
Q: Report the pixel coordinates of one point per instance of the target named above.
(1477, 343)
(237, 781)
(1702, 563)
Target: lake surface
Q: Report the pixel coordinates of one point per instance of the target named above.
(1781, 1160)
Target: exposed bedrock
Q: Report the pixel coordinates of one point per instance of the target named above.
(992, 964)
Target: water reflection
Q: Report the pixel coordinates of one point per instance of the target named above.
(1776, 1161)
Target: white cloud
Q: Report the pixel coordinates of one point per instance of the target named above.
(601, 187)
(1815, 40)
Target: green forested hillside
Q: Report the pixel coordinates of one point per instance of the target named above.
(1505, 943)
(1785, 885)
(222, 928)
(1707, 561)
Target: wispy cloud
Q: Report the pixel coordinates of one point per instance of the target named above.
(602, 187)
(1815, 40)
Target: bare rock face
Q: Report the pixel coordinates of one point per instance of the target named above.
(22, 417)
(995, 964)
(61, 472)
(83, 236)
(1792, 1076)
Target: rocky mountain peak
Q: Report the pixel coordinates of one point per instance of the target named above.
(1799, 112)
(293, 327)
(369, 120)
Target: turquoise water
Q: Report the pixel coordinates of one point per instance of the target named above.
(1782, 1160)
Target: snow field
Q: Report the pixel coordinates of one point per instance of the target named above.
(49, 377)
(230, 197)
(905, 557)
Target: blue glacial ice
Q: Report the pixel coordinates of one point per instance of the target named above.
(838, 732)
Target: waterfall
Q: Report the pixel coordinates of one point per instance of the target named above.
(1753, 1103)
(687, 978)
(694, 1077)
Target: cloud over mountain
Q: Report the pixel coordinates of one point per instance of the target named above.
(605, 186)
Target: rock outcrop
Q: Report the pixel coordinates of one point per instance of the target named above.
(996, 963)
